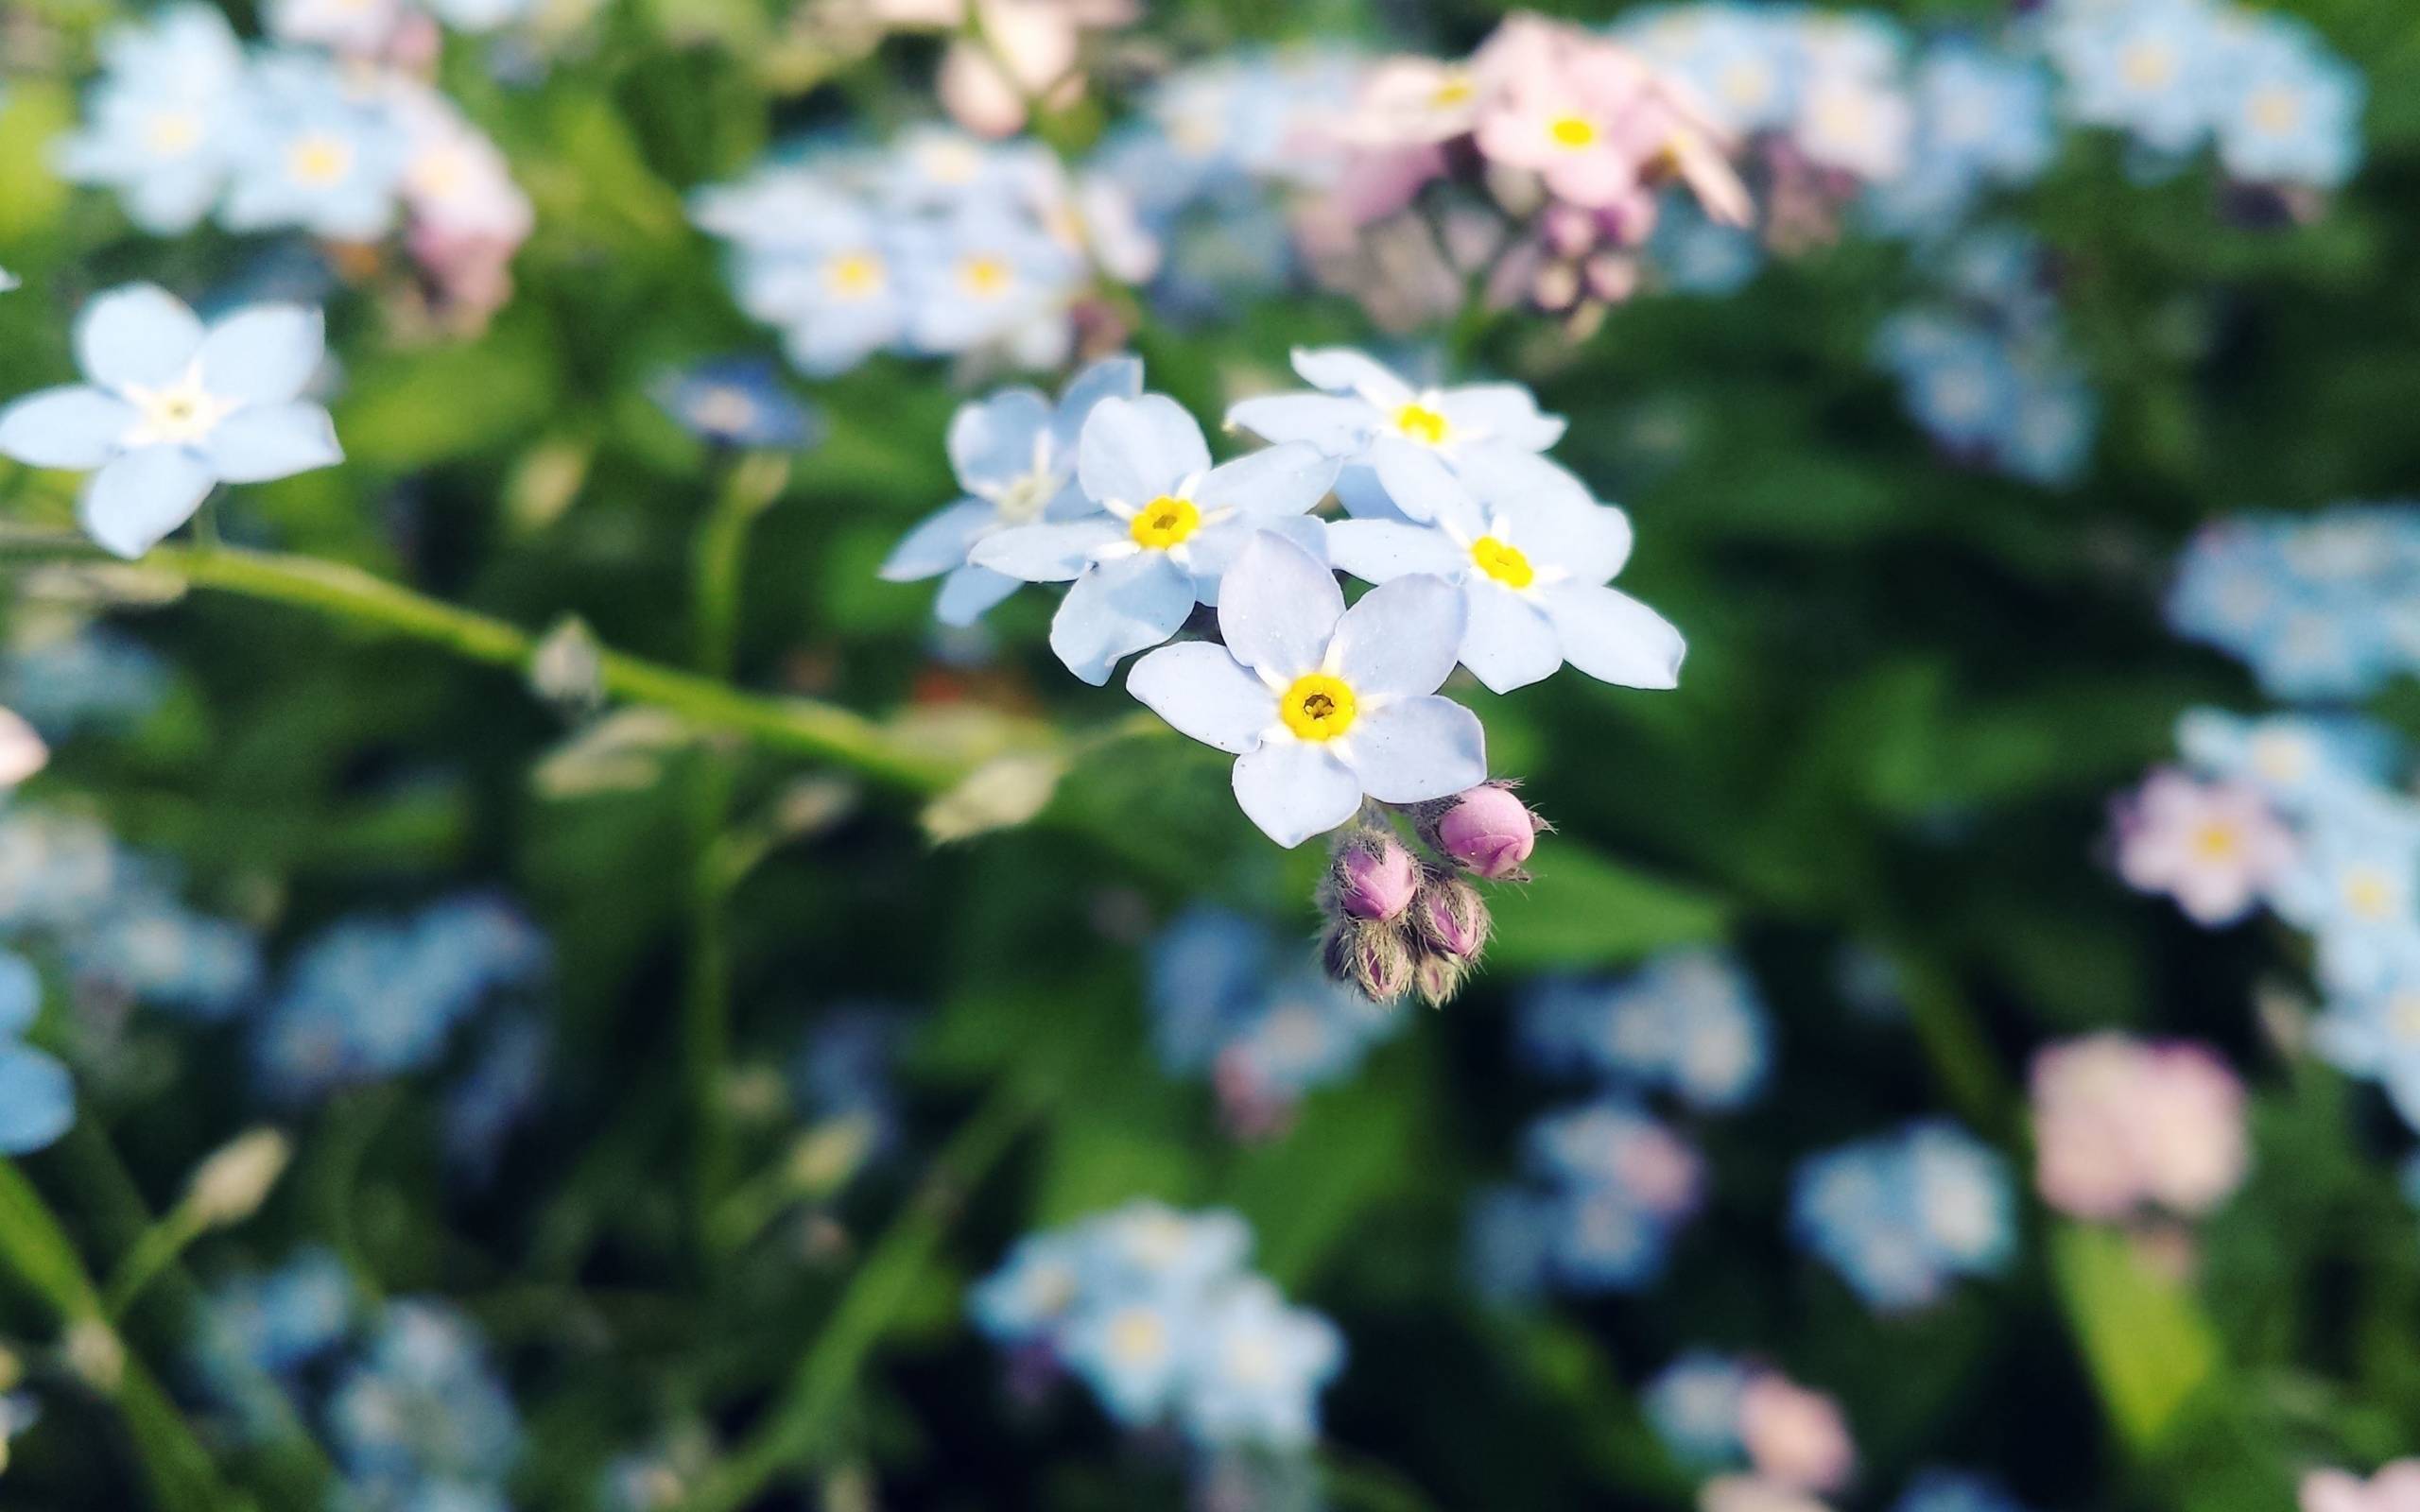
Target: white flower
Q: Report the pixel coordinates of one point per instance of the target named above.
(170, 410)
(1363, 413)
(1529, 552)
(1167, 527)
(1321, 705)
(22, 751)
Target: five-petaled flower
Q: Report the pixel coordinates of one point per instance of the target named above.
(171, 410)
(1322, 706)
(1365, 414)
(1529, 551)
(1167, 529)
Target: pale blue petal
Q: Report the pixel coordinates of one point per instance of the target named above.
(1294, 789)
(1335, 426)
(1424, 488)
(1401, 638)
(269, 441)
(1415, 749)
(938, 543)
(1503, 413)
(1613, 636)
(1279, 480)
(37, 1100)
(1590, 541)
(1341, 370)
(1497, 475)
(75, 426)
(1118, 607)
(139, 334)
(1363, 496)
(1380, 551)
(265, 354)
(1508, 642)
(1278, 605)
(968, 592)
(20, 989)
(137, 499)
(1204, 693)
(991, 441)
(1048, 553)
(1118, 377)
(1135, 449)
(1211, 554)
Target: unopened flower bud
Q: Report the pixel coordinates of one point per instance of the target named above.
(1488, 830)
(94, 1354)
(1374, 958)
(1451, 918)
(230, 1186)
(1373, 878)
(1437, 977)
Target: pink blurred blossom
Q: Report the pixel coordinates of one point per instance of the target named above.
(1795, 1439)
(22, 751)
(2393, 1488)
(1754, 1493)
(2121, 1124)
(1027, 51)
(2213, 847)
(468, 218)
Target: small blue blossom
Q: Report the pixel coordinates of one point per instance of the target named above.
(423, 1413)
(161, 122)
(1691, 1022)
(1612, 1190)
(846, 1072)
(37, 1097)
(1901, 1215)
(1015, 454)
(1946, 1490)
(96, 678)
(1694, 1403)
(738, 401)
(170, 410)
(2293, 109)
(315, 152)
(2318, 607)
(495, 1094)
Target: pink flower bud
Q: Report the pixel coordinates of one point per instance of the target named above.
(1374, 958)
(1451, 918)
(1438, 977)
(1375, 879)
(1488, 830)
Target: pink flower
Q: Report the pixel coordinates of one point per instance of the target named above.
(1027, 51)
(2120, 1124)
(2213, 847)
(1750, 1493)
(22, 752)
(1795, 1439)
(2393, 1488)
(1413, 102)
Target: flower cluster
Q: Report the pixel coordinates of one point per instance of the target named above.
(183, 123)
(2298, 815)
(1984, 365)
(2123, 1125)
(1610, 1188)
(411, 1409)
(1901, 1215)
(937, 243)
(1483, 553)
(1692, 1024)
(2326, 606)
(2176, 75)
(169, 410)
(1716, 1412)
(65, 676)
(1154, 1310)
(372, 997)
(1266, 1032)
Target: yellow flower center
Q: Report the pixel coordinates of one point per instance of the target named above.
(1456, 89)
(1572, 131)
(2274, 110)
(2403, 1016)
(1421, 425)
(985, 277)
(1137, 1336)
(2369, 894)
(181, 412)
(723, 409)
(320, 160)
(854, 276)
(2217, 842)
(2149, 65)
(1503, 562)
(173, 133)
(1163, 522)
(1318, 707)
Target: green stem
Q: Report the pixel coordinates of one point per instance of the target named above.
(799, 725)
(800, 1429)
(160, 1246)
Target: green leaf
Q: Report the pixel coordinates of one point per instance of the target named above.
(2149, 1345)
(1584, 910)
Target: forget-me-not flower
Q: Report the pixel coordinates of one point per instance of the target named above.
(1321, 705)
(316, 152)
(161, 124)
(37, 1098)
(1014, 454)
(1167, 529)
(1529, 552)
(170, 410)
(1363, 413)
(737, 401)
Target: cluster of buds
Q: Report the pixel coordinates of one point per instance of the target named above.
(1401, 921)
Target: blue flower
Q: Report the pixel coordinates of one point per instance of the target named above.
(2302, 765)
(1691, 1021)
(495, 1093)
(1945, 1491)
(1529, 552)
(94, 678)
(1205, 975)
(424, 1409)
(37, 1097)
(2146, 67)
(277, 1323)
(1015, 456)
(1218, 1003)
(162, 123)
(987, 275)
(1982, 120)
(738, 401)
(1899, 1216)
(2291, 111)
(1257, 1369)
(1694, 1403)
(155, 951)
(1164, 528)
(169, 411)
(1035, 1291)
(315, 153)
